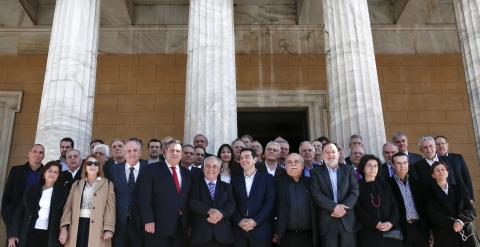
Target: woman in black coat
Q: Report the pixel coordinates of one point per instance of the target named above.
(450, 211)
(376, 208)
(37, 220)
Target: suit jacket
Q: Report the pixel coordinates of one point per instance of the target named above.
(125, 202)
(424, 175)
(413, 158)
(347, 194)
(27, 214)
(418, 195)
(278, 172)
(445, 209)
(13, 193)
(384, 172)
(67, 180)
(200, 202)
(283, 207)
(460, 166)
(379, 192)
(159, 201)
(258, 205)
(102, 213)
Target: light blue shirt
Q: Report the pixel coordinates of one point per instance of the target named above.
(333, 178)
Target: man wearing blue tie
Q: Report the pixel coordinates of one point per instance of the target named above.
(212, 205)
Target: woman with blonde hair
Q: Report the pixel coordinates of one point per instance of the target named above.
(89, 213)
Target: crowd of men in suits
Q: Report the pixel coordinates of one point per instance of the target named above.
(178, 196)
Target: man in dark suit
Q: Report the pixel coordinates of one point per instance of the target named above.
(20, 178)
(400, 139)
(270, 164)
(202, 141)
(296, 223)
(335, 190)
(388, 150)
(154, 150)
(74, 169)
(212, 205)
(128, 229)
(355, 141)
(254, 194)
(458, 162)
(410, 198)
(163, 201)
(118, 155)
(422, 167)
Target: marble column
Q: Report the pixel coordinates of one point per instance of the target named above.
(467, 13)
(210, 101)
(66, 108)
(353, 90)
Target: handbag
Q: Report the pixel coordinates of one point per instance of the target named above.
(395, 234)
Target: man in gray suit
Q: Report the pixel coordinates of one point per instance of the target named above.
(335, 190)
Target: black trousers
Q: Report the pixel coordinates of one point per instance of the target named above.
(178, 240)
(37, 238)
(415, 236)
(337, 236)
(248, 242)
(128, 235)
(295, 239)
(82, 234)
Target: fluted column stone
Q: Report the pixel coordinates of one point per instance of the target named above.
(210, 101)
(354, 94)
(66, 108)
(467, 13)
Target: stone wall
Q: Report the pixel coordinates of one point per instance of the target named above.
(143, 95)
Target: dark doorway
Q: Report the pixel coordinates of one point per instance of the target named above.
(265, 124)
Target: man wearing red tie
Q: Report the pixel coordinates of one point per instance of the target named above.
(163, 200)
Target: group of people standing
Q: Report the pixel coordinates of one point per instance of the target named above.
(183, 196)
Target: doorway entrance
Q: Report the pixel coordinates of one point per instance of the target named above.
(266, 123)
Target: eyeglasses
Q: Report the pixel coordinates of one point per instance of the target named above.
(91, 163)
(462, 234)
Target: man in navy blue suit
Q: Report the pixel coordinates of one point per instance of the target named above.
(212, 205)
(128, 230)
(254, 193)
(163, 201)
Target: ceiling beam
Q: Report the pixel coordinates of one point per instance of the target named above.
(309, 12)
(409, 12)
(114, 14)
(14, 13)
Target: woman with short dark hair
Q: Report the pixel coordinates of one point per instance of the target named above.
(451, 213)
(37, 220)
(376, 208)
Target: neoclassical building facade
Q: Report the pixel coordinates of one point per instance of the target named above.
(150, 68)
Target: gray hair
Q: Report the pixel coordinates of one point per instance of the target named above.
(273, 143)
(301, 158)
(389, 143)
(355, 136)
(306, 142)
(215, 158)
(425, 138)
(104, 147)
(73, 150)
(397, 136)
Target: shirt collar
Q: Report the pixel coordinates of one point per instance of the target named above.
(251, 176)
(214, 181)
(136, 166)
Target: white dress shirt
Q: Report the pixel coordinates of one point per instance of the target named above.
(177, 169)
(430, 162)
(74, 172)
(135, 171)
(249, 181)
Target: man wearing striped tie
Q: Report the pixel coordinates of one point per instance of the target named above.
(212, 206)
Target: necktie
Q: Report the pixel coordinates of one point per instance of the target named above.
(358, 176)
(211, 188)
(392, 170)
(131, 179)
(175, 178)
